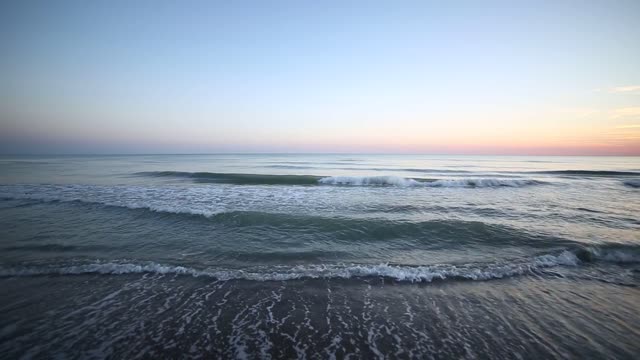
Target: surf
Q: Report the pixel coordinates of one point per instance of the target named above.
(401, 273)
(389, 180)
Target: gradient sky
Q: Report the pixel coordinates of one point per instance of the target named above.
(477, 77)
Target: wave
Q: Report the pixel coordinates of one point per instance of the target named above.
(477, 272)
(432, 233)
(612, 253)
(485, 183)
(589, 173)
(417, 170)
(422, 170)
(42, 247)
(238, 179)
(53, 247)
(262, 179)
(291, 167)
(634, 183)
(411, 182)
(371, 181)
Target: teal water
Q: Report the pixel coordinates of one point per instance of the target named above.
(319, 255)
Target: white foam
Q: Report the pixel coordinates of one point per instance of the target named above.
(100, 268)
(163, 199)
(369, 181)
(407, 182)
(614, 255)
(282, 273)
(566, 258)
(482, 183)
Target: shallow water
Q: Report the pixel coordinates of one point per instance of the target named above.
(319, 256)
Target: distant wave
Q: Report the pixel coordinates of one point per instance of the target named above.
(238, 179)
(263, 179)
(478, 272)
(421, 170)
(417, 170)
(291, 167)
(634, 183)
(589, 173)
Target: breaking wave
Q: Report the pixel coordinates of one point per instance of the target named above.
(371, 181)
(478, 272)
(409, 182)
(484, 183)
(260, 179)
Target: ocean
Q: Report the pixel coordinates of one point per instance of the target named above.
(319, 256)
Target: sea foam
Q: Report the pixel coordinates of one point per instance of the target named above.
(369, 181)
(479, 272)
(378, 180)
(408, 182)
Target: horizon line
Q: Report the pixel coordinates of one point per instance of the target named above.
(309, 153)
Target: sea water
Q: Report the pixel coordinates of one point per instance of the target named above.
(319, 256)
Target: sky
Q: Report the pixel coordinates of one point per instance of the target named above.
(436, 77)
